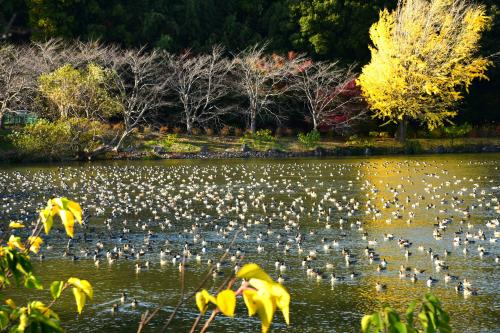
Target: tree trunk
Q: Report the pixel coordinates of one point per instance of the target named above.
(402, 131)
(1, 120)
(315, 123)
(189, 126)
(253, 126)
(120, 142)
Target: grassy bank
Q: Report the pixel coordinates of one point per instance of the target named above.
(195, 143)
(155, 145)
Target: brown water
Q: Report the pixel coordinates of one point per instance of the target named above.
(208, 192)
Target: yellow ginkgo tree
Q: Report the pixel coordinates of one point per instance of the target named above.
(15, 266)
(424, 55)
(262, 296)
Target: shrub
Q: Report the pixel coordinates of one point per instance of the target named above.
(119, 127)
(56, 140)
(288, 131)
(262, 139)
(43, 139)
(309, 140)
(413, 147)
(238, 131)
(436, 133)
(169, 141)
(225, 131)
(87, 135)
(209, 131)
(375, 134)
(195, 131)
(457, 131)
(177, 130)
(432, 318)
(163, 129)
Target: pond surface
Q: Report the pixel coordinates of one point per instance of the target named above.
(284, 208)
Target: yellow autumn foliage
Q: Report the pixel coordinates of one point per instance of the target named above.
(424, 55)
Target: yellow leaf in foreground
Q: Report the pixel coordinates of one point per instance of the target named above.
(248, 296)
(15, 243)
(202, 300)
(79, 298)
(10, 303)
(282, 300)
(267, 298)
(68, 211)
(260, 302)
(47, 219)
(68, 222)
(35, 243)
(226, 302)
(83, 285)
(16, 225)
(253, 271)
(76, 210)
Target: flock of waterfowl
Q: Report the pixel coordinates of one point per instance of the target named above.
(325, 222)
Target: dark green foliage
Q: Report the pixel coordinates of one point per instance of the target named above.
(431, 319)
(309, 140)
(336, 29)
(172, 25)
(60, 139)
(262, 139)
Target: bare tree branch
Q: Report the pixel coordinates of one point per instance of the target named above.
(200, 83)
(262, 79)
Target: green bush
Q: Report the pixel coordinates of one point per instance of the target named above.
(262, 139)
(169, 141)
(457, 131)
(413, 147)
(309, 140)
(87, 135)
(42, 139)
(432, 318)
(61, 139)
(375, 134)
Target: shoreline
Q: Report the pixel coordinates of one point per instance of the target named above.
(340, 151)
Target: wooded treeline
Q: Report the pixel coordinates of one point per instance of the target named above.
(326, 30)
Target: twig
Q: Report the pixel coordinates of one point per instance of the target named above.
(209, 320)
(145, 319)
(195, 324)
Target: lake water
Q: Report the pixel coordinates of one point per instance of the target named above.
(269, 202)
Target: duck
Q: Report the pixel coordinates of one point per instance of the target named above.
(134, 303)
(123, 297)
(448, 278)
(469, 291)
(430, 281)
(334, 278)
(379, 287)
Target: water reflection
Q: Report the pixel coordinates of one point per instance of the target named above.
(292, 209)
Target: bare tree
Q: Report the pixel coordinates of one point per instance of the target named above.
(49, 55)
(140, 87)
(326, 90)
(262, 78)
(84, 53)
(16, 81)
(200, 82)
